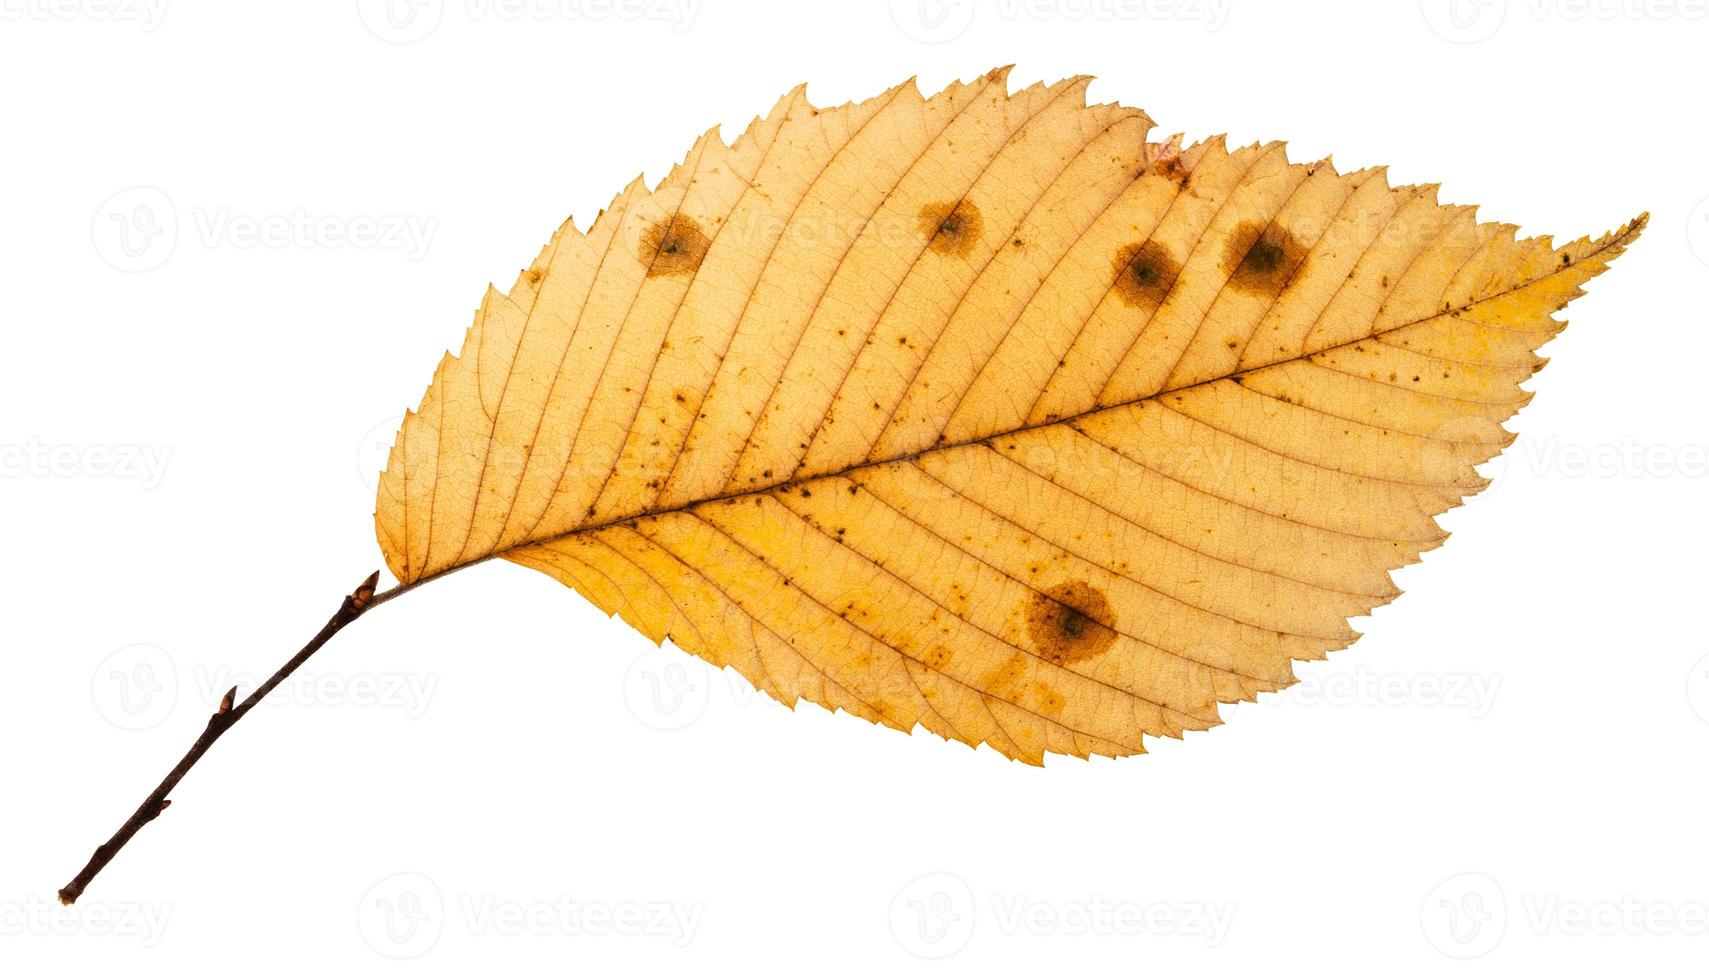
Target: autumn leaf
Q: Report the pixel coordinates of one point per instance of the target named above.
(977, 412)
(981, 412)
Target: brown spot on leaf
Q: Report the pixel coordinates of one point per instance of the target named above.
(1262, 259)
(1005, 680)
(673, 246)
(1170, 167)
(1070, 622)
(1144, 273)
(1049, 700)
(937, 657)
(952, 227)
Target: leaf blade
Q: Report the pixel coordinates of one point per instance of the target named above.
(1051, 439)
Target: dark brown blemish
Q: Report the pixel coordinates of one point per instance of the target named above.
(1170, 167)
(1070, 622)
(1144, 273)
(1262, 259)
(673, 246)
(952, 227)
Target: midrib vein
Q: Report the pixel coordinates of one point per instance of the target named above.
(1630, 232)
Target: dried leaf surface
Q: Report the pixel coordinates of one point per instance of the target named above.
(982, 413)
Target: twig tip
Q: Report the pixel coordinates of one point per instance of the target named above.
(365, 592)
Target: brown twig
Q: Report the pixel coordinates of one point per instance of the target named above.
(223, 718)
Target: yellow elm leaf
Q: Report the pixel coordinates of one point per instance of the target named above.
(981, 412)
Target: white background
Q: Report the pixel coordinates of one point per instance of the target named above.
(1506, 774)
